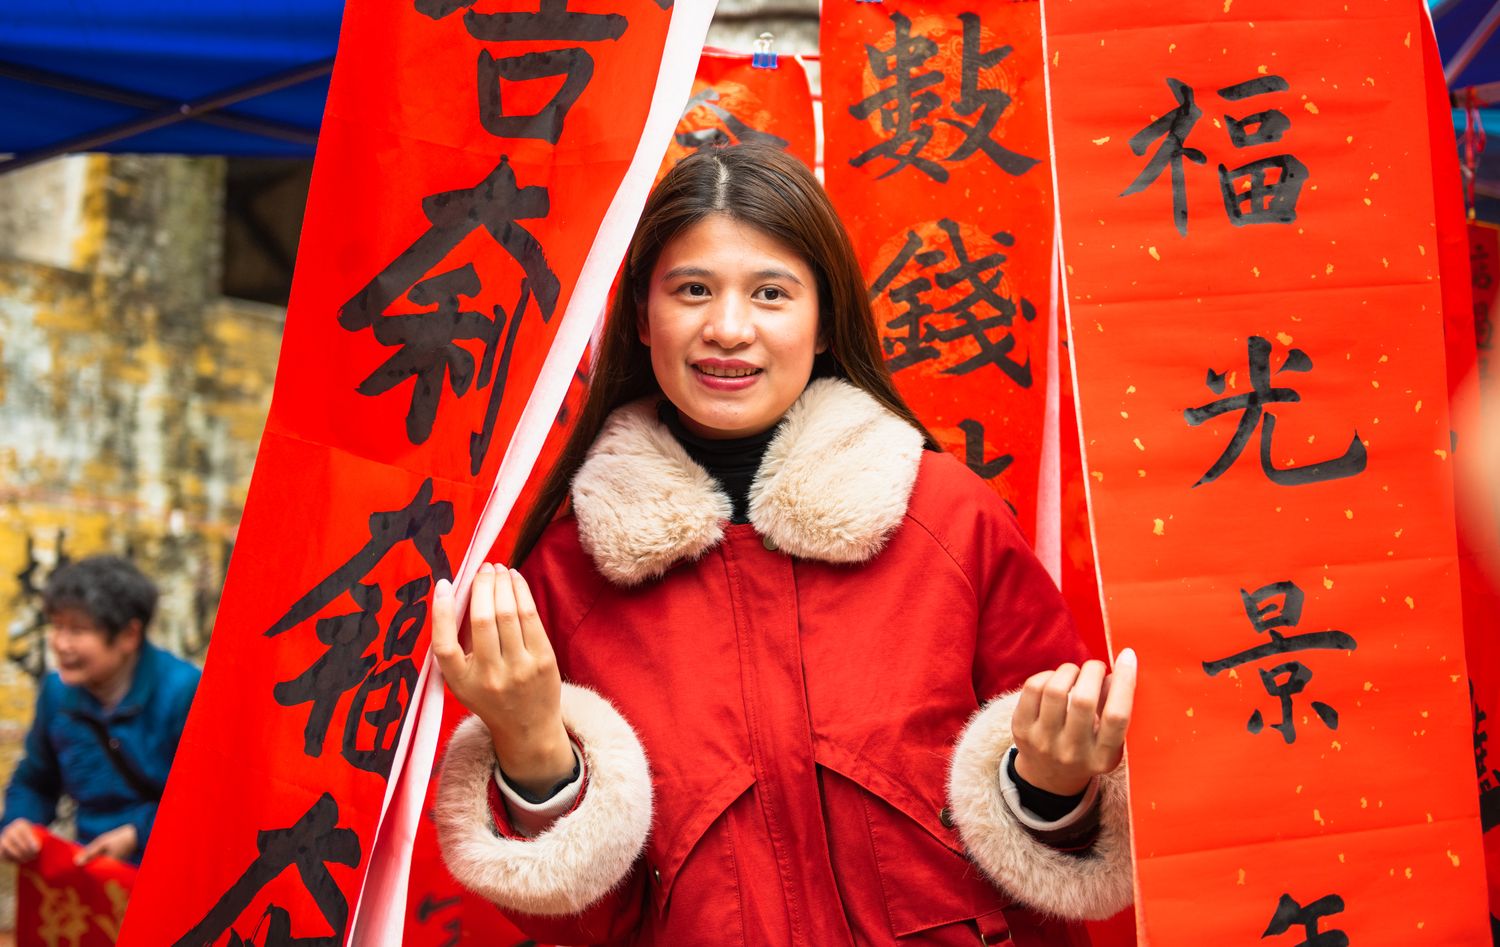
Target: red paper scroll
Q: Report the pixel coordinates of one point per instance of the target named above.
(1252, 284)
(470, 153)
(1481, 601)
(735, 101)
(61, 903)
(935, 154)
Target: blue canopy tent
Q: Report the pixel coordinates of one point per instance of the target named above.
(237, 77)
(249, 77)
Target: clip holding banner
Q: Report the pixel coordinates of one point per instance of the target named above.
(764, 56)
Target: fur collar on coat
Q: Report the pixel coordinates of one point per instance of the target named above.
(833, 486)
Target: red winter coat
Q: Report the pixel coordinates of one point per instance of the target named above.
(798, 685)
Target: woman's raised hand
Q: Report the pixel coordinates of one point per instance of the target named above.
(509, 677)
(1070, 723)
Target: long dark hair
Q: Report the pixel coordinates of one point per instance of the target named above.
(776, 193)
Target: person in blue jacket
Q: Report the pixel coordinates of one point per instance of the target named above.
(108, 719)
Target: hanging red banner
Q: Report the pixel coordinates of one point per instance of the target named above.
(744, 97)
(448, 243)
(61, 902)
(1481, 602)
(1251, 278)
(935, 146)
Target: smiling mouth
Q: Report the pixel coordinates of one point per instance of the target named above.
(727, 372)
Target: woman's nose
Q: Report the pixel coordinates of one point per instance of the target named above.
(729, 324)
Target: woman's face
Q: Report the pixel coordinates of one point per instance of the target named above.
(732, 323)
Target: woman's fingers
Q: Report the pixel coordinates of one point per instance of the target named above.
(1054, 710)
(1083, 706)
(445, 648)
(508, 623)
(533, 635)
(1030, 702)
(484, 637)
(1115, 717)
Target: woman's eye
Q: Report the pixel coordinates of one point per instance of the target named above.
(695, 289)
(772, 294)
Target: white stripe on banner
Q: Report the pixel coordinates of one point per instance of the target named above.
(1049, 478)
(380, 913)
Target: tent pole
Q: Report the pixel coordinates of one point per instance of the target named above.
(1441, 7)
(1485, 95)
(170, 114)
(1473, 44)
(152, 103)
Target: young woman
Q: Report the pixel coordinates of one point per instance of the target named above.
(719, 702)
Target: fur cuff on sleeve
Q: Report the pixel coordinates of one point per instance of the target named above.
(584, 854)
(1094, 886)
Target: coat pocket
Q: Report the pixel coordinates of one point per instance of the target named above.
(928, 886)
(691, 867)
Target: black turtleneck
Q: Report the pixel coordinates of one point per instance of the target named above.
(731, 461)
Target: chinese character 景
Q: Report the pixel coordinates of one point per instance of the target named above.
(1271, 607)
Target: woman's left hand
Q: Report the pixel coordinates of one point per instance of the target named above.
(1070, 724)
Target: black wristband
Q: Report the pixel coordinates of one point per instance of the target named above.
(557, 788)
(1047, 806)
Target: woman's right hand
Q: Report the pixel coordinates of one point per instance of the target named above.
(509, 678)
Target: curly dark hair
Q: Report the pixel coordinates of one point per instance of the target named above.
(109, 589)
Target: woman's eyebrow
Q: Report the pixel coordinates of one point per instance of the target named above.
(677, 272)
(773, 274)
(698, 272)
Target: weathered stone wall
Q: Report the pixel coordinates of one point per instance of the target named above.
(132, 395)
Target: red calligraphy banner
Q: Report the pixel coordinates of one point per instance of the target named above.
(743, 97)
(479, 170)
(1481, 602)
(1252, 285)
(59, 902)
(935, 146)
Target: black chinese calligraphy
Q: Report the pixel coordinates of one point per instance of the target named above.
(911, 111)
(950, 305)
(1254, 415)
(551, 22)
(347, 664)
(434, 344)
(730, 129)
(428, 910)
(311, 845)
(1270, 607)
(1489, 778)
(1289, 914)
(1263, 191)
(427, 342)
(974, 451)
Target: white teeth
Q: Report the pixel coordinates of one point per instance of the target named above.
(727, 372)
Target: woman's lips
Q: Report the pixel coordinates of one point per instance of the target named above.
(726, 376)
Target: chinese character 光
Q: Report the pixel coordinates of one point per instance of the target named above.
(1253, 405)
